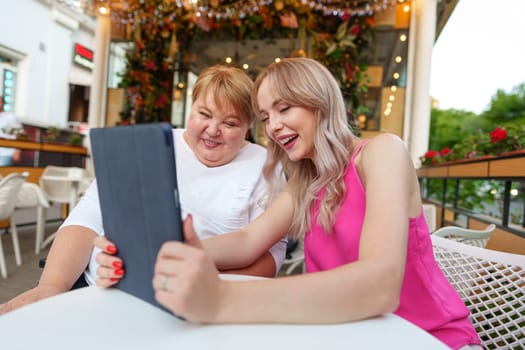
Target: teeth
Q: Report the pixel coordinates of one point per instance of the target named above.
(286, 140)
(210, 142)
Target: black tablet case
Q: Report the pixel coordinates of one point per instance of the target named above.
(139, 198)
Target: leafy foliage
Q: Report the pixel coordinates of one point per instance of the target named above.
(463, 134)
(343, 53)
(163, 31)
(507, 108)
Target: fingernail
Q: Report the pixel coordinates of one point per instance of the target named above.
(117, 264)
(114, 279)
(119, 272)
(111, 249)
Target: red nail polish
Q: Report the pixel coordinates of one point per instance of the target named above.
(114, 279)
(119, 272)
(117, 264)
(111, 249)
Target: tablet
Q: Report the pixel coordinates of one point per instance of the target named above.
(139, 197)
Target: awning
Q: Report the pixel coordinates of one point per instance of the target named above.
(80, 76)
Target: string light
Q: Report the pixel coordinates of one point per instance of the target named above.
(122, 12)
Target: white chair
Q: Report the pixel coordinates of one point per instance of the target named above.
(10, 186)
(492, 285)
(476, 238)
(31, 196)
(63, 185)
(294, 259)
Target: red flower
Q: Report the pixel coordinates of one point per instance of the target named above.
(346, 16)
(497, 135)
(354, 29)
(431, 154)
(445, 151)
(161, 100)
(151, 65)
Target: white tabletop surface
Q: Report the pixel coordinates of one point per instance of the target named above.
(94, 318)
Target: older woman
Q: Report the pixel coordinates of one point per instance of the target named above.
(220, 179)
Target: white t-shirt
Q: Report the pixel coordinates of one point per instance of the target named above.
(220, 199)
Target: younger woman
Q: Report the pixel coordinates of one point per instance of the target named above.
(357, 204)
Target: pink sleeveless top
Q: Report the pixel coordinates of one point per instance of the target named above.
(427, 298)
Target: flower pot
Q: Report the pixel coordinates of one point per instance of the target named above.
(515, 152)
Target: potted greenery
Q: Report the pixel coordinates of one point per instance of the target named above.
(75, 139)
(501, 141)
(51, 134)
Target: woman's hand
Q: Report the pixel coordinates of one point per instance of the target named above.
(28, 297)
(186, 280)
(111, 267)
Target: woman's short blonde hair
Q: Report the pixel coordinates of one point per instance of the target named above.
(228, 85)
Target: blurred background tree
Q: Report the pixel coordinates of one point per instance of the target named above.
(451, 126)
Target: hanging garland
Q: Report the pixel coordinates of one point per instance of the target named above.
(162, 32)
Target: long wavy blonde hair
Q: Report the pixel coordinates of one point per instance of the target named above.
(307, 83)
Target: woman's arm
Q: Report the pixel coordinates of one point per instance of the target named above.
(66, 261)
(243, 247)
(263, 267)
(236, 252)
(186, 279)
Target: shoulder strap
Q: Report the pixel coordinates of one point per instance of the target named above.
(358, 149)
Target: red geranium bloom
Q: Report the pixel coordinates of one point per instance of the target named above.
(431, 154)
(497, 135)
(445, 151)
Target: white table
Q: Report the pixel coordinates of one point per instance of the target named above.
(95, 318)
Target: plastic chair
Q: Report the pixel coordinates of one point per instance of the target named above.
(63, 185)
(476, 238)
(492, 285)
(31, 196)
(294, 258)
(10, 186)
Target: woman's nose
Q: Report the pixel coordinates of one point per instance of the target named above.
(274, 124)
(213, 129)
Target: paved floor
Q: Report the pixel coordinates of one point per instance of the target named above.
(21, 278)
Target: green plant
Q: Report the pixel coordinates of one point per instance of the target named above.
(163, 31)
(51, 134)
(75, 139)
(499, 140)
(344, 54)
(18, 133)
